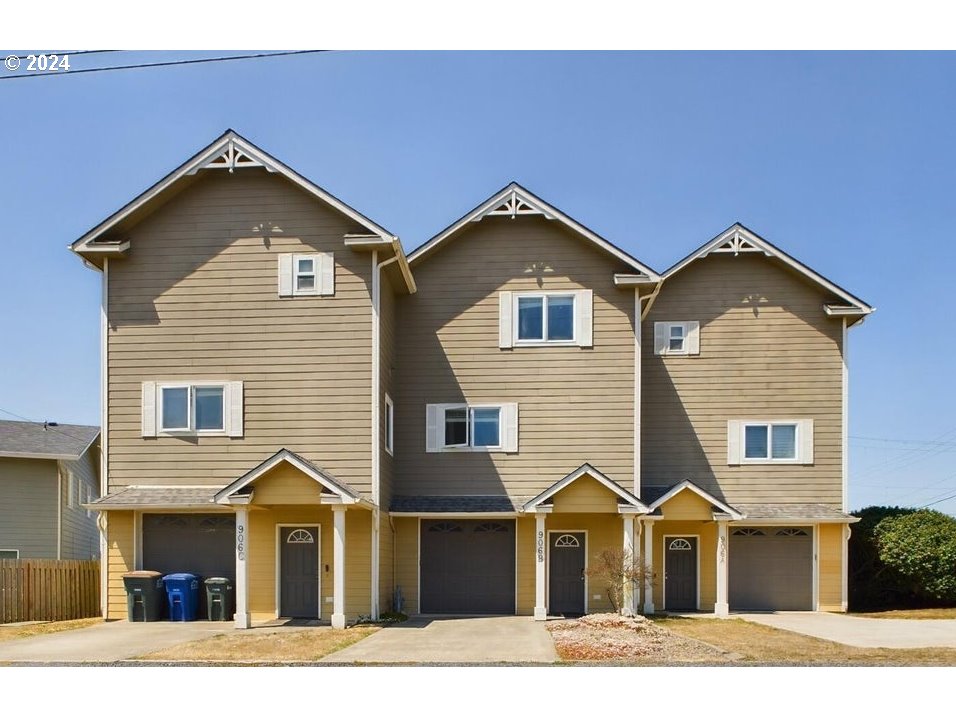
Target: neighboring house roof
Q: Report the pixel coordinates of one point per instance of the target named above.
(415, 504)
(738, 239)
(58, 441)
(229, 152)
(786, 512)
(516, 201)
(586, 469)
(158, 497)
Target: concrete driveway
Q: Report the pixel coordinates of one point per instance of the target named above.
(454, 640)
(108, 641)
(861, 631)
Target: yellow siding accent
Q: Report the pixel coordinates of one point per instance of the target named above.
(830, 556)
(687, 505)
(262, 558)
(406, 561)
(386, 565)
(286, 484)
(604, 531)
(707, 553)
(585, 495)
(525, 560)
(119, 546)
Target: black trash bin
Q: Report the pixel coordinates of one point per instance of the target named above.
(183, 596)
(145, 595)
(219, 599)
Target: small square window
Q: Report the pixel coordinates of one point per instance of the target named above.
(676, 337)
(305, 275)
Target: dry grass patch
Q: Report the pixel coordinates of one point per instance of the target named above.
(935, 613)
(766, 645)
(633, 639)
(283, 644)
(15, 632)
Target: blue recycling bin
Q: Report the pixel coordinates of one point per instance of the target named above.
(182, 593)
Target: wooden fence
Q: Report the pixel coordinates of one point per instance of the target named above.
(49, 590)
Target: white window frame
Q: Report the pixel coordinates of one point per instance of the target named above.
(10, 550)
(469, 409)
(545, 341)
(314, 291)
(191, 429)
(389, 425)
(769, 425)
(71, 489)
(682, 338)
(687, 327)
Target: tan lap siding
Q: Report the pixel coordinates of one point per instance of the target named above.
(197, 299)
(119, 546)
(767, 351)
(387, 369)
(575, 404)
(830, 557)
(406, 562)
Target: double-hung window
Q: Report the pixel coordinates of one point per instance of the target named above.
(776, 441)
(193, 408)
(463, 427)
(307, 274)
(305, 282)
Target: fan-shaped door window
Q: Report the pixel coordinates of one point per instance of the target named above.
(300, 536)
(680, 544)
(567, 541)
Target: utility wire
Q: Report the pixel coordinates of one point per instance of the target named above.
(163, 64)
(46, 425)
(71, 53)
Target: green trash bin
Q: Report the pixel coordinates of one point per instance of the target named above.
(219, 599)
(145, 595)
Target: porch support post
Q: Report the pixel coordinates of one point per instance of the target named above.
(649, 567)
(338, 566)
(540, 553)
(242, 618)
(722, 606)
(629, 606)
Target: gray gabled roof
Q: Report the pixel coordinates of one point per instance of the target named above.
(790, 512)
(453, 504)
(131, 497)
(58, 441)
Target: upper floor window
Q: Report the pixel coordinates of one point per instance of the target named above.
(463, 427)
(783, 441)
(307, 274)
(213, 408)
(389, 424)
(545, 318)
(676, 338)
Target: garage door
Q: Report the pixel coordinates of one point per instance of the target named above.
(771, 568)
(190, 543)
(468, 567)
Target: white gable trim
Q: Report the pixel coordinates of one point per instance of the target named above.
(535, 503)
(286, 456)
(739, 240)
(514, 200)
(687, 485)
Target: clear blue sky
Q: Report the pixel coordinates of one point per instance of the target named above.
(847, 161)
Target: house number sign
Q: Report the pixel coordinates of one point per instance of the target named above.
(540, 546)
(241, 542)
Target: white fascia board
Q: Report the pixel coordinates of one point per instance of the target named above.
(838, 310)
(745, 521)
(770, 250)
(590, 470)
(687, 485)
(42, 456)
(224, 495)
(627, 280)
(545, 209)
(185, 507)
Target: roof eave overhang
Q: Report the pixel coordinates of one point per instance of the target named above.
(42, 456)
(715, 502)
(538, 503)
(153, 506)
(454, 514)
(796, 521)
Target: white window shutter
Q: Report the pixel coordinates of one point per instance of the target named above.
(692, 334)
(584, 313)
(505, 331)
(326, 271)
(509, 427)
(285, 274)
(149, 408)
(660, 337)
(233, 409)
(805, 429)
(431, 427)
(733, 443)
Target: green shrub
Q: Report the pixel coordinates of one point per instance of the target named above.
(921, 547)
(874, 585)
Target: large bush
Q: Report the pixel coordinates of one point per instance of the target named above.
(921, 546)
(873, 584)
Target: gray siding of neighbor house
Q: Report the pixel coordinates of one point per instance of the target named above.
(80, 539)
(28, 506)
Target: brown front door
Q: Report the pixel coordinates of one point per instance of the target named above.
(299, 572)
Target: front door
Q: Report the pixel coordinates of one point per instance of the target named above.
(566, 583)
(680, 573)
(299, 572)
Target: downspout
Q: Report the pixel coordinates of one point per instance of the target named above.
(59, 511)
(102, 521)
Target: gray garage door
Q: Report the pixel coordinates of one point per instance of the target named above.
(468, 567)
(190, 543)
(771, 568)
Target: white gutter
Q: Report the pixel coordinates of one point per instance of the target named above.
(103, 521)
(59, 511)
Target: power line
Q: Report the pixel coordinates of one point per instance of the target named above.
(904, 441)
(46, 425)
(164, 64)
(941, 500)
(71, 53)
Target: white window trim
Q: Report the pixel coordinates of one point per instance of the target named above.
(10, 550)
(389, 425)
(469, 421)
(71, 489)
(518, 295)
(191, 430)
(671, 337)
(314, 291)
(769, 459)
(686, 349)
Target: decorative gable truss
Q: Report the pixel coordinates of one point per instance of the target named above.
(231, 157)
(514, 204)
(737, 243)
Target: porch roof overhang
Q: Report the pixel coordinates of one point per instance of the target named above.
(722, 509)
(137, 497)
(239, 492)
(540, 502)
(793, 514)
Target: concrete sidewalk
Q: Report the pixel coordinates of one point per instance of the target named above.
(861, 631)
(508, 639)
(108, 641)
